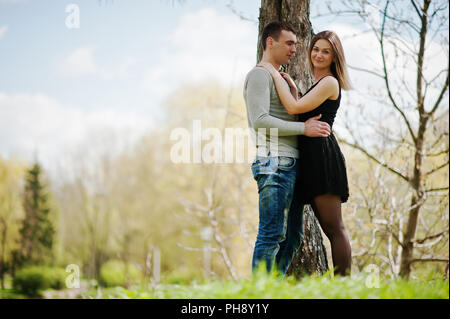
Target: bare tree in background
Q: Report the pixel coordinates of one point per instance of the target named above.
(10, 216)
(224, 213)
(415, 148)
(212, 233)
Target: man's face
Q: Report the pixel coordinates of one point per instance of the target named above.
(284, 48)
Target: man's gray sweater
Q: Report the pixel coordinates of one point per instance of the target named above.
(265, 111)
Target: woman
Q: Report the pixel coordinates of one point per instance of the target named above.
(322, 176)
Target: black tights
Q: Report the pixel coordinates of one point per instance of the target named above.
(327, 209)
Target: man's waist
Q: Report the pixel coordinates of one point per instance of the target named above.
(262, 150)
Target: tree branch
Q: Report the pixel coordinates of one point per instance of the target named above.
(441, 95)
(421, 241)
(437, 154)
(386, 78)
(445, 188)
(436, 169)
(365, 70)
(417, 9)
(428, 259)
(397, 239)
(356, 146)
(197, 249)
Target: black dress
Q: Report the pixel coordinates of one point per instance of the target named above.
(321, 164)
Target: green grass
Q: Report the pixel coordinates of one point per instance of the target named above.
(11, 294)
(270, 287)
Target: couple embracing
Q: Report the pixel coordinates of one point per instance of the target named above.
(304, 164)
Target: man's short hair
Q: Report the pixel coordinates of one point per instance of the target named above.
(273, 30)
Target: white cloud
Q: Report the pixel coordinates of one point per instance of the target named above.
(119, 70)
(3, 30)
(37, 122)
(80, 62)
(205, 45)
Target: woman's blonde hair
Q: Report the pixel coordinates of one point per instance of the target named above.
(338, 66)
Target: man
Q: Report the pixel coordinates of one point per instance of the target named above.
(280, 229)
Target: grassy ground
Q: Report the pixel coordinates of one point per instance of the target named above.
(269, 287)
(264, 286)
(11, 294)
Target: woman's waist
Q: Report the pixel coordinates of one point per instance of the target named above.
(307, 139)
(329, 119)
(305, 142)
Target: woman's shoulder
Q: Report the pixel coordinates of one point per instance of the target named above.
(329, 80)
(331, 85)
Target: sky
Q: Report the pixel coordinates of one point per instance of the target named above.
(60, 86)
(114, 71)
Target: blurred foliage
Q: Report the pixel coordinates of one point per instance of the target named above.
(37, 230)
(182, 276)
(11, 210)
(32, 280)
(116, 273)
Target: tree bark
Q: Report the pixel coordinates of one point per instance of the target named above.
(311, 257)
(446, 272)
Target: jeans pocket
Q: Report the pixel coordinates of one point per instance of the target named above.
(261, 161)
(286, 163)
(263, 165)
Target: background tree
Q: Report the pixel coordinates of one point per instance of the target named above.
(220, 211)
(11, 173)
(411, 36)
(37, 231)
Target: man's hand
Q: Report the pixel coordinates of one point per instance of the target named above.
(315, 128)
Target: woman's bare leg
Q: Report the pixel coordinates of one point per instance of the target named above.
(327, 209)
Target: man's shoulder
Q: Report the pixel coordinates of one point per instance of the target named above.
(259, 73)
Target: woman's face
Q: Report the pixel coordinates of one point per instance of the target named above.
(322, 54)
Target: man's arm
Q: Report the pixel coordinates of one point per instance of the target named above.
(258, 100)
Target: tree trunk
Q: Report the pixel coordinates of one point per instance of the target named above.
(446, 272)
(416, 182)
(312, 255)
(416, 204)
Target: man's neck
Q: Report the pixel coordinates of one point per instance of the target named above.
(267, 58)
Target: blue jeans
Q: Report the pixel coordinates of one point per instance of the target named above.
(280, 229)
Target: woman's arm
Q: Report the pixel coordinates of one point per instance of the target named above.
(292, 87)
(320, 93)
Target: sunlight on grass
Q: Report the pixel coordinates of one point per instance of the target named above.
(272, 286)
